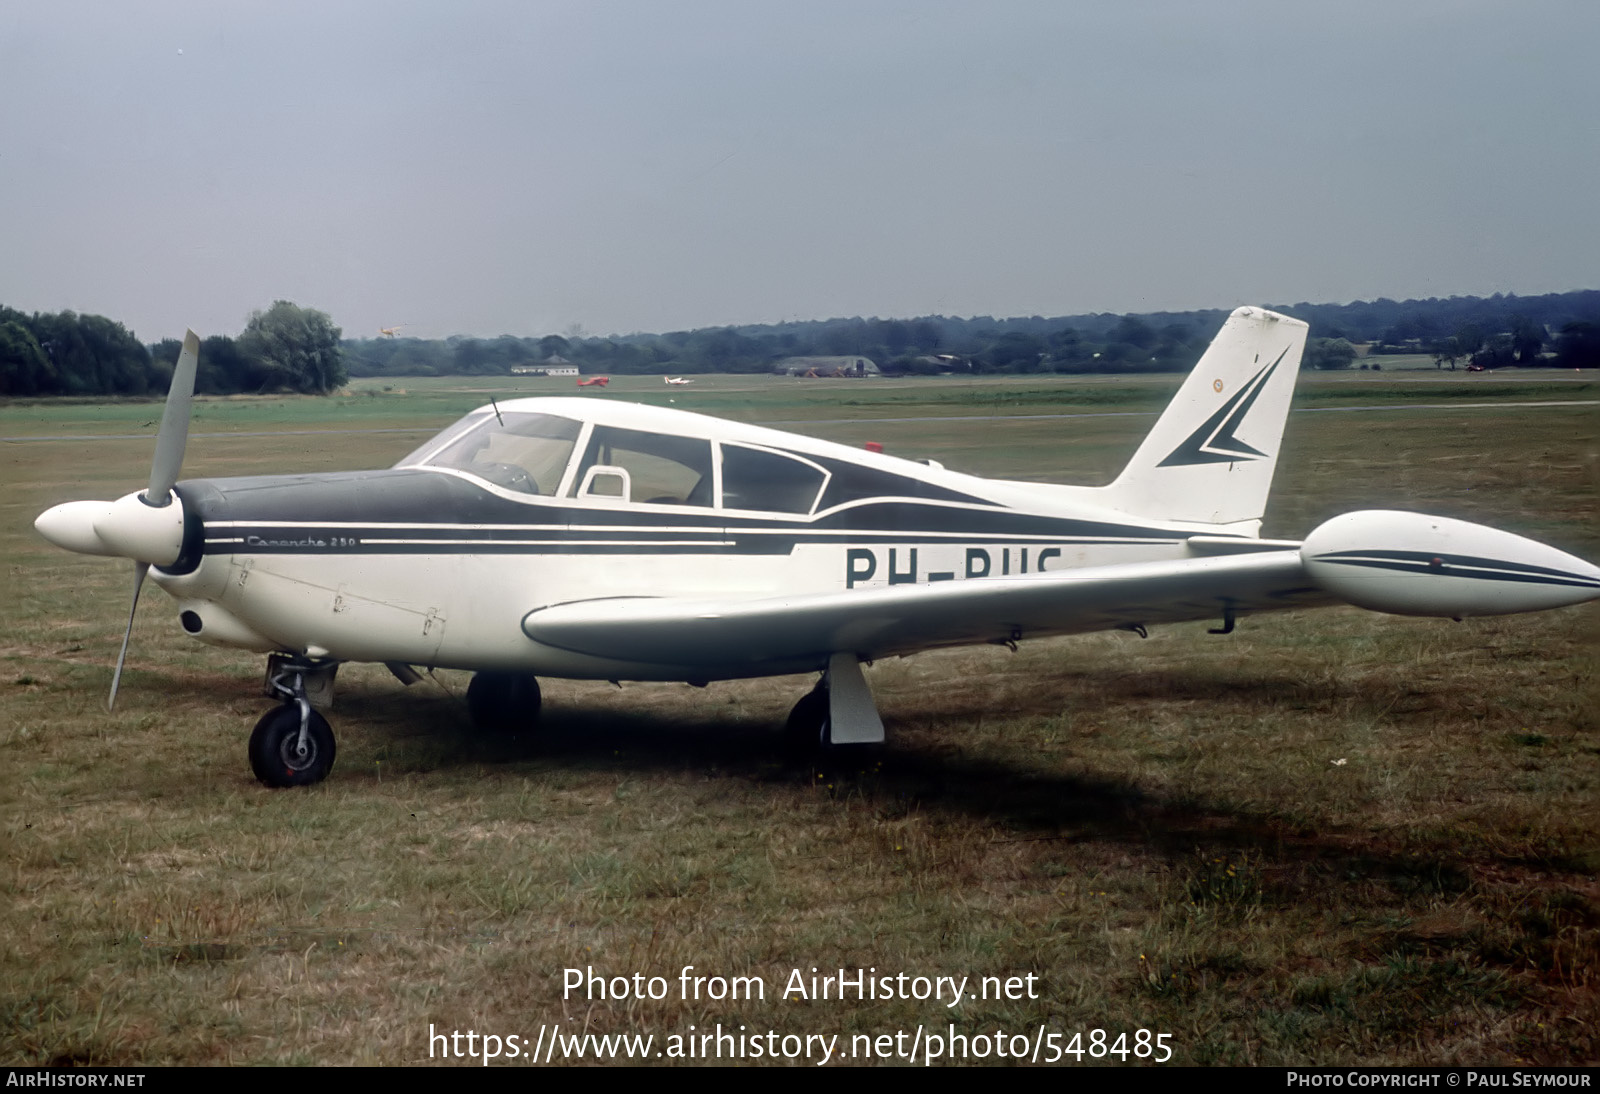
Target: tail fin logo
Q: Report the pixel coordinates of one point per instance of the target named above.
(1215, 440)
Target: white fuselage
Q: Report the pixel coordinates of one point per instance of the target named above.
(446, 580)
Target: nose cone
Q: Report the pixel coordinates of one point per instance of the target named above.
(72, 526)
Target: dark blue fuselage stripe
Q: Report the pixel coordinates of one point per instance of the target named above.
(389, 542)
(1448, 560)
(1482, 573)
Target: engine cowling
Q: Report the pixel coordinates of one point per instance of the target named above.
(1414, 564)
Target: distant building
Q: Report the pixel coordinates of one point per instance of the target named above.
(827, 366)
(553, 365)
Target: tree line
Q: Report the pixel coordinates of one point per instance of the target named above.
(284, 348)
(898, 346)
(290, 348)
(1559, 328)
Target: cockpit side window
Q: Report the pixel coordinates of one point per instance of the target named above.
(524, 452)
(753, 478)
(660, 468)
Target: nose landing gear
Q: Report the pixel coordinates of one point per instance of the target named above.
(293, 745)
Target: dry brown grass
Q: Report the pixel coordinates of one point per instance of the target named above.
(1161, 830)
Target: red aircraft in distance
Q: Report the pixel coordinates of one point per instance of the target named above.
(595, 381)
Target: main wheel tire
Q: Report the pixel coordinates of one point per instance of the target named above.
(504, 702)
(808, 730)
(275, 754)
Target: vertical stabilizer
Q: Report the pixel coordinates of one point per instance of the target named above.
(1211, 456)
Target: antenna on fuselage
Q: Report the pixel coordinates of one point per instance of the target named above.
(497, 417)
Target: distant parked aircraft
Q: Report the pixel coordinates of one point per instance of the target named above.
(678, 380)
(595, 381)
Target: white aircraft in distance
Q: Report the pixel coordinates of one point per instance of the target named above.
(390, 332)
(678, 380)
(582, 538)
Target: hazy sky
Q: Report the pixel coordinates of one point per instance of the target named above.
(523, 167)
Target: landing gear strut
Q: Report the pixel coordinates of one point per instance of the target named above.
(838, 711)
(293, 745)
(504, 702)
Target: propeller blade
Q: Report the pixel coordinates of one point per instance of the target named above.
(174, 435)
(171, 440)
(139, 570)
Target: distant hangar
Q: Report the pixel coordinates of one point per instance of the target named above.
(848, 366)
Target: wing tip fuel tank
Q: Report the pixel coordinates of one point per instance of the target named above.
(1413, 564)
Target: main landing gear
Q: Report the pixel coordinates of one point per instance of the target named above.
(838, 711)
(504, 702)
(293, 745)
(808, 729)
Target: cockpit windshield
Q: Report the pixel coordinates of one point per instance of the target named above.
(516, 450)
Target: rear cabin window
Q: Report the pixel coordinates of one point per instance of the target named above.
(653, 468)
(766, 481)
(852, 482)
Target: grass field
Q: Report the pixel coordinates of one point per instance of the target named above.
(1330, 837)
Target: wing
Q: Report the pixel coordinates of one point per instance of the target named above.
(729, 637)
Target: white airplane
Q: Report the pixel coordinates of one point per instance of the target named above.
(581, 538)
(676, 380)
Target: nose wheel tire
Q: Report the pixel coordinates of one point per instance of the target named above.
(504, 702)
(278, 756)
